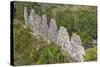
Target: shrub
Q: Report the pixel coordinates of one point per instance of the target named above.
(91, 54)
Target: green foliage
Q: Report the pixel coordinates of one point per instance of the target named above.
(52, 54)
(22, 42)
(81, 21)
(91, 54)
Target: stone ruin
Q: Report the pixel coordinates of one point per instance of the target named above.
(73, 47)
(63, 39)
(52, 35)
(39, 27)
(77, 50)
(44, 26)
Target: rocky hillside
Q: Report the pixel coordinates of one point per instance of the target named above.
(54, 33)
